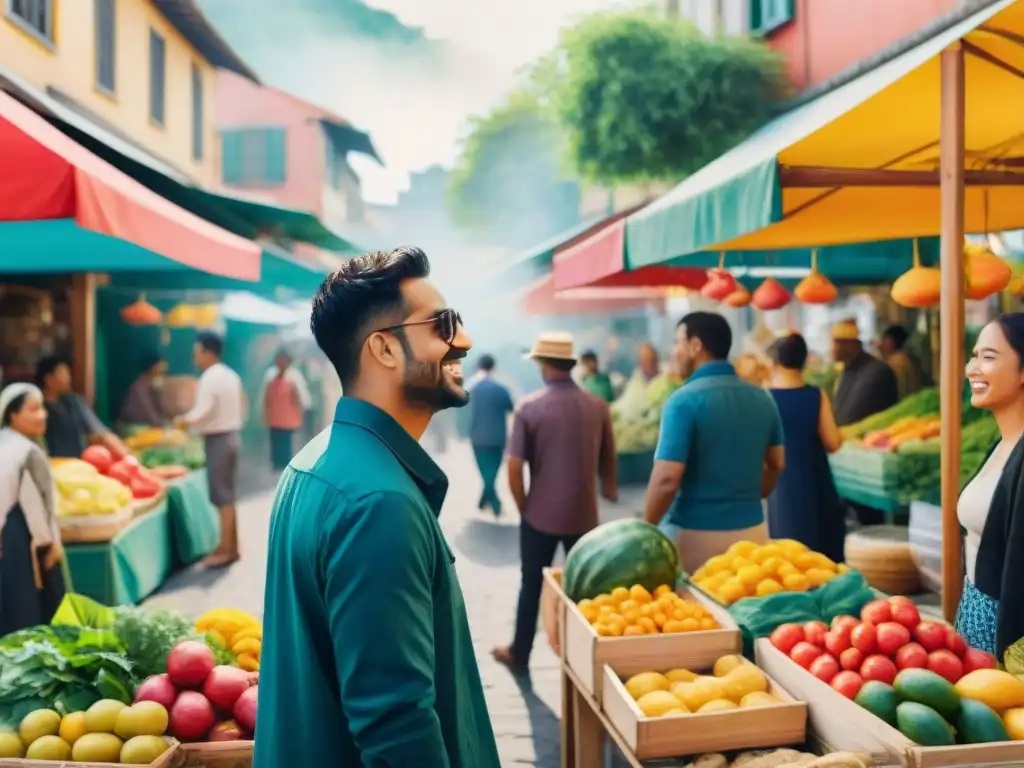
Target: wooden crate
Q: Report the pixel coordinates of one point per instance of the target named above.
(843, 725)
(169, 759)
(677, 735)
(224, 754)
(586, 653)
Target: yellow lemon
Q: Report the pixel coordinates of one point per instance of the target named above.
(700, 573)
(672, 626)
(741, 549)
(718, 705)
(657, 703)
(602, 600)
(768, 551)
(690, 625)
(619, 594)
(749, 575)
(732, 591)
(634, 630)
(744, 679)
(664, 589)
(804, 561)
(842, 568)
(796, 582)
(638, 593)
(772, 565)
(681, 676)
(718, 564)
(816, 577)
(759, 699)
(726, 664)
(740, 562)
(791, 547)
(767, 587)
(648, 624)
(701, 691)
(680, 710)
(787, 569)
(646, 682)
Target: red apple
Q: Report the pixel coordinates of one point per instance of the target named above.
(846, 621)
(189, 663)
(224, 685)
(786, 636)
(879, 668)
(158, 688)
(847, 683)
(245, 708)
(804, 654)
(191, 717)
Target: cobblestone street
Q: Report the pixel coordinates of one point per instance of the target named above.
(524, 711)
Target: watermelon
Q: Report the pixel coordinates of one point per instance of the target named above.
(620, 554)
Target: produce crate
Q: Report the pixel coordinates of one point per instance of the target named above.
(843, 725)
(586, 653)
(169, 759)
(92, 529)
(635, 468)
(224, 754)
(779, 725)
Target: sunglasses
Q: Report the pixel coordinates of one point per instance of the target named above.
(446, 323)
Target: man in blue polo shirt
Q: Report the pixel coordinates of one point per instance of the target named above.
(720, 451)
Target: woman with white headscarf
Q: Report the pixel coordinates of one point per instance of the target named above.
(31, 578)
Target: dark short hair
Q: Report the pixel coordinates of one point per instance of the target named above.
(486, 363)
(559, 364)
(790, 352)
(588, 354)
(712, 330)
(897, 334)
(46, 367)
(363, 296)
(1012, 326)
(12, 408)
(211, 342)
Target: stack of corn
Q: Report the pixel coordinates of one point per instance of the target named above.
(237, 630)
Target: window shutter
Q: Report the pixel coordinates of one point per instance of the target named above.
(105, 42)
(231, 157)
(275, 155)
(197, 113)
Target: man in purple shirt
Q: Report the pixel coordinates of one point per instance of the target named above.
(564, 434)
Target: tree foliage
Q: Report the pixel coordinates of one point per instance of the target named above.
(508, 180)
(643, 97)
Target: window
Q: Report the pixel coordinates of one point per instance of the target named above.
(197, 113)
(768, 15)
(106, 28)
(157, 78)
(254, 156)
(34, 16)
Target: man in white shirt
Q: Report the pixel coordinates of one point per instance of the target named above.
(218, 415)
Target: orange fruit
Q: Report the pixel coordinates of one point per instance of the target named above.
(768, 587)
(639, 594)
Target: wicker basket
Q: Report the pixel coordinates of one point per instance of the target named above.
(90, 529)
(882, 554)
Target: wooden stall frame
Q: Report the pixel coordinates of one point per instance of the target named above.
(167, 760)
(221, 754)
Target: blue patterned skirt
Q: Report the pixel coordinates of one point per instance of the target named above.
(976, 618)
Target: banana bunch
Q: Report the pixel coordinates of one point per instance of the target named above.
(237, 630)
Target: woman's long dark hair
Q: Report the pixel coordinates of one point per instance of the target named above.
(12, 408)
(1012, 326)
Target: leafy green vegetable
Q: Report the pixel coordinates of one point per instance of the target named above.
(81, 611)
(149, 636)
(1013, 658)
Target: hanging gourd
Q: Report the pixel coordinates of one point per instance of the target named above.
(207, 315)
(770, 295)
(181, 316)
(815, 288)
(738, 298)
(720, 283)
(919, 286)
(986, 273)
(141, 312)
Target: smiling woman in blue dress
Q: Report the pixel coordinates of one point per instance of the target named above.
(991, 505)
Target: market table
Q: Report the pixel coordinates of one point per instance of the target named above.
(195, 522)
(129, 567)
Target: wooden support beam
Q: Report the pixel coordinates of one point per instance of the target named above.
(951, 316)
(82, 311)
(825, 178)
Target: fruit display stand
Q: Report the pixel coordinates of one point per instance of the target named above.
(195, 523)
(223, 754)
(169, 759)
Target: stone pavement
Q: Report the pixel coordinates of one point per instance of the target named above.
(524, 711)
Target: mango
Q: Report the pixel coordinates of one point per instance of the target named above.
(101, 717)
(48, 748)
(147, 718)
(11, 746)
(97, 748)
(36, 725)
(142, 750)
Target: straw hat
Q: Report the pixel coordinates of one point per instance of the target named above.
(553, 346)
(846, 330)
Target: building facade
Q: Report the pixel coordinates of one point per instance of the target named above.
(277, 147)
(142, 69)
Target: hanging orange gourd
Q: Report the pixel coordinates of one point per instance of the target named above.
(986, 273)
(141, 312)
(738, 298)
(720, 283)
(815, 288)
(918, 286)
(770, 295)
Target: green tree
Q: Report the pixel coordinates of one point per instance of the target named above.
(508, 184)
(644, 97)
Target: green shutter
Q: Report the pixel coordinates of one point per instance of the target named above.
(231, 157)
(768, 15)
(275, 157)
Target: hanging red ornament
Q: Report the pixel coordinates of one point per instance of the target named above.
(770, 295)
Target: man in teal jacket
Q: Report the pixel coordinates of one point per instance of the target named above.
(367, 657)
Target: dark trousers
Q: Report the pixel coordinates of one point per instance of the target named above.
(282, 446)
(537, 552)
(21, 604)
(488, 461)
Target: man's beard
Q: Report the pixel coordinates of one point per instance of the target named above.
(424, 383)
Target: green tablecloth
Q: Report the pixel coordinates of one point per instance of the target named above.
(195, 522)
(128, 568)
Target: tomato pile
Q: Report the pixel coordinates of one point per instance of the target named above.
(888, 637)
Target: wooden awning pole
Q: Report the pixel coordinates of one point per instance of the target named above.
(951, 316)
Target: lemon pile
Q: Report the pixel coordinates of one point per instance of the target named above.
(749, 570)
(635, 611)
(239, 631)
(734, 683)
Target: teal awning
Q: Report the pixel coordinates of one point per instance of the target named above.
(344, 139)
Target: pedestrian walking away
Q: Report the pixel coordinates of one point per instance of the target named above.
(218, 415)
(489, 405)
(366, 641)
(284, 402)
(564, 435)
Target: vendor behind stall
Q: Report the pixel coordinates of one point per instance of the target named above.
(633, 399)
(141, 403)
(867, 385)
(71, 425)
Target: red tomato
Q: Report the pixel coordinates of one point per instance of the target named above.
(931, 635)
(906, 614)
(863, 638)
(132, 463)
(946, 664)
(804, 654)
(824, 668)
(955, 643)
(845, 621)
(99, 457)
(814, 633)
(851, 659)
(876, 612)
(879, 668)
(837, 640)
(912, 656)
(121, 473)
(786, 636)
(891, 637)
(975, 658)
(900, 600)
(847, 683)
